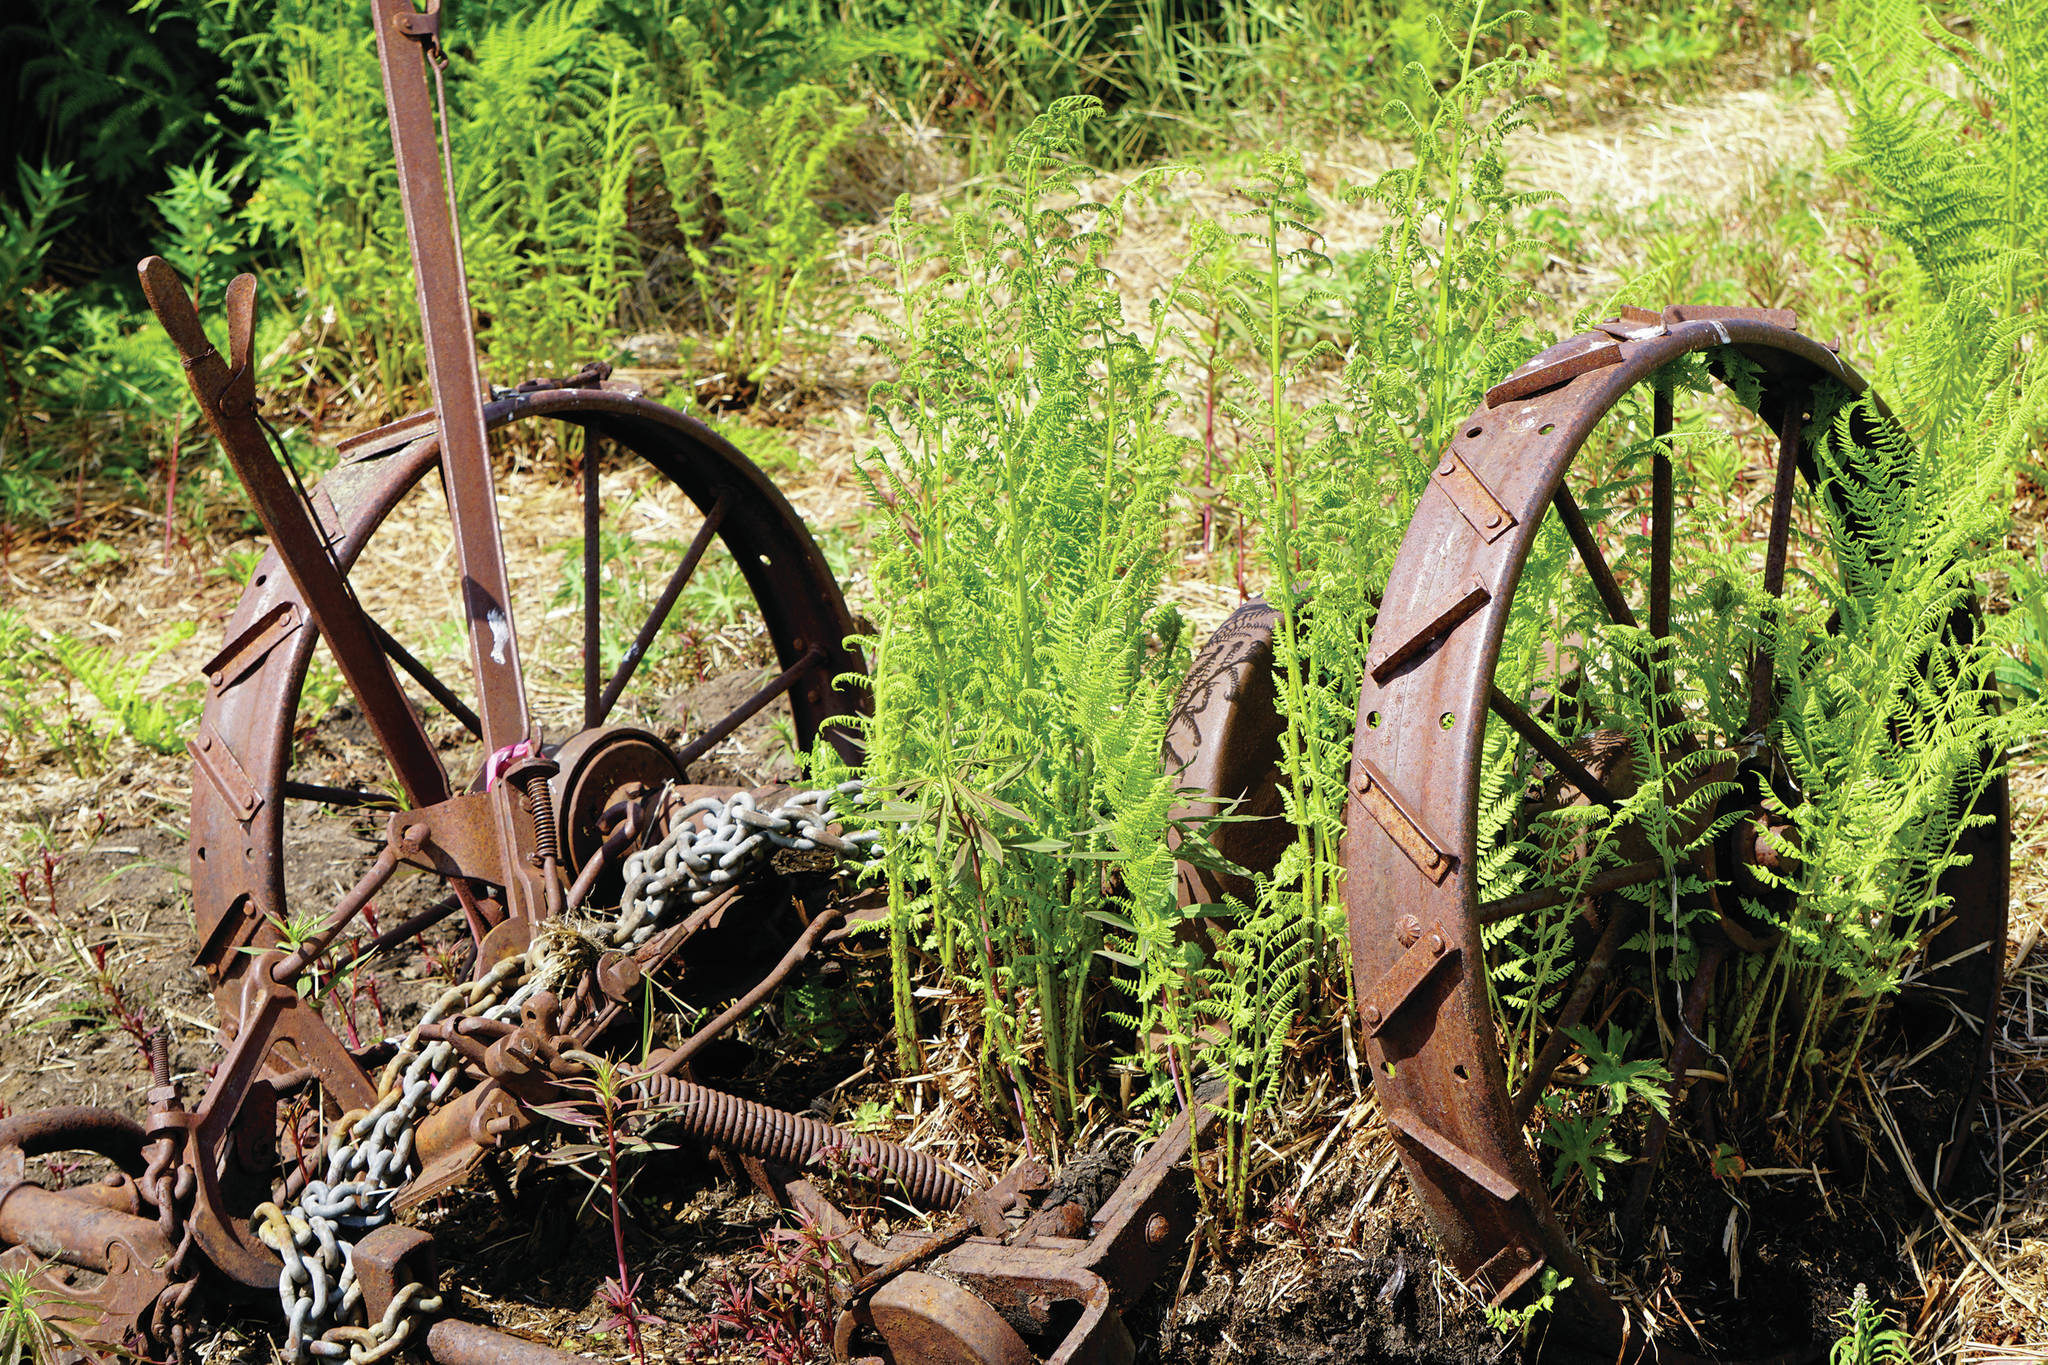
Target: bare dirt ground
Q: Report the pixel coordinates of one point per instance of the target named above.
(1343, 1270)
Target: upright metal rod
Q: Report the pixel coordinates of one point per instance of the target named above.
(404, 38)
(593, 569)
(1762, 668)
(1660, 515)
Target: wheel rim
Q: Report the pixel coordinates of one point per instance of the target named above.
(239, 826)
(1411, 846)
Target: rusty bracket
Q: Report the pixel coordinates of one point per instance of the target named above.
(1526, 383)
(217, 761)
(454, 838)
(1398, 985)
(1517, 1262)
(390, 1258)
(391, 436)
(1440, 620)
(1634, 324)
(1381, 802)
(421, 23)
(1706, 312)
(242, 654)
(1470, 495)
(1496, 1183)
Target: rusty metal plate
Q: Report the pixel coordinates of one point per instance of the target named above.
(1495, 1182)
(1439, 621)
(218, 762)
(1470, 495)
(1395, 816)
(1431, 950)
(1598, 353)
(1703, 312)
(247, 650)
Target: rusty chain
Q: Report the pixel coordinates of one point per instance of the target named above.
(713, 844)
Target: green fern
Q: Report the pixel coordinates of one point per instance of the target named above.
(1022, 664)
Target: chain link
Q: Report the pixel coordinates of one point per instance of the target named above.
(712, 844)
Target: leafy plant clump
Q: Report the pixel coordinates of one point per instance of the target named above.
(1023, 664)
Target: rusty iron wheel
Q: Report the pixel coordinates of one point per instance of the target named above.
(1436, 700)
(1223, 743)
(257, 817)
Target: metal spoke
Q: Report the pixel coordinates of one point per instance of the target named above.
(1546, 744)
(658, 617)
(740, 714)
(413, 927)
(424, 676)
(332, 796)
(591, 569)
(1660, 556)
(1613, 879)
(1589, 553)
(1660, 517)
(1776, 550)
(1688, 1052)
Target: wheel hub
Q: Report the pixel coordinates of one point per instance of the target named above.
(600, 768)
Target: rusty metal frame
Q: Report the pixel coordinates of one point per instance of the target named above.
(237, 861)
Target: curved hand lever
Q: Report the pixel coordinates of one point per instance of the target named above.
(227, 398)
(241, 302)
(173, 308)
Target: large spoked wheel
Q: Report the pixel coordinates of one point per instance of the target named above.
(710, 606)
(1583, 780)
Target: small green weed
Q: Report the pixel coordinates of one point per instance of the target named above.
(1869, 1338)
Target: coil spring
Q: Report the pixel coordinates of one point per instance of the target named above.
(793, 1140)
(546, 842)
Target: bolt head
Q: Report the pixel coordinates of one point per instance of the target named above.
(1407, 930)
(1371, 1015)
(1157, 1229)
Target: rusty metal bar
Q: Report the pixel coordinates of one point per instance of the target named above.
(1660, 515)
(227, 397)
(453, 1342)
(294, 790)
(1614, 879)
(416, 925)
(657, 617)
(732, 1014)
(1575, 1006)
(593, 714)
(404, 37)
(287, 968)
(1762, 668)
(1545, 743)
(1589, 553)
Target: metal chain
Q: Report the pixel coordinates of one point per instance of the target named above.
(712, 844)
